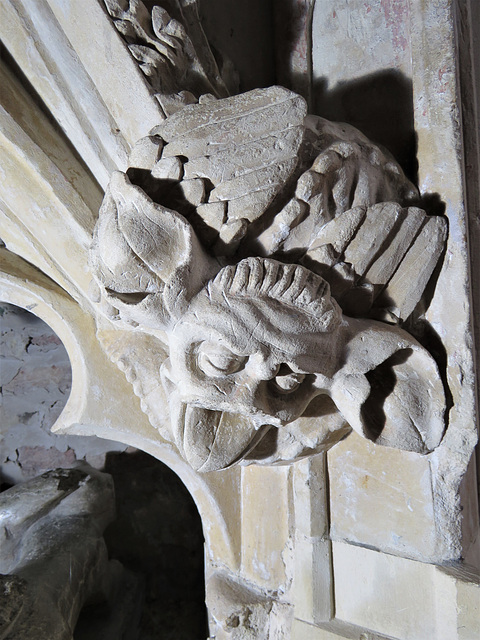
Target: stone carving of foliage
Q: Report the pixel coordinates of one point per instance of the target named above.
(171, 49)
(258, 248)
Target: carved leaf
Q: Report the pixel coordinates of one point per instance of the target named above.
(389, 389)
(161, 263)
(171, 48)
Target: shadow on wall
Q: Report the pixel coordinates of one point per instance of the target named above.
(158, 533)
(381, 106)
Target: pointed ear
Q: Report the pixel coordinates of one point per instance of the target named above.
(146, 256)
(389, 389)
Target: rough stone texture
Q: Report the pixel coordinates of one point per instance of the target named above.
(36, 381)
(423, 94)
(418, 39)
(54, 557)
(242, 613)
(153, 269)
(171, 50)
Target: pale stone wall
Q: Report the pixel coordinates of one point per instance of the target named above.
(341, 544)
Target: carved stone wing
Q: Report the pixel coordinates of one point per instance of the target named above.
(231, 158)
(378, 260)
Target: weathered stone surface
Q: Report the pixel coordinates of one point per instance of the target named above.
(387, 386)
(151, 266)
(381, 498)
(340, 230)
(286, 220)
(220, 165)
(194, 191)
(213, 213)
(54, 553)
(394, 610)
(168, 169)
(171, 50)
(427, 247)
(242, 613)
(146, 152)
(370, 237)
(253, 107)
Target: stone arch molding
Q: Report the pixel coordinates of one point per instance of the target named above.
(233, 280)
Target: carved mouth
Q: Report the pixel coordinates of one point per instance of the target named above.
(213, 440)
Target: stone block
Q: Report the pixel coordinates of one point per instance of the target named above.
(382, 498)
(265, 549)
(403, 598)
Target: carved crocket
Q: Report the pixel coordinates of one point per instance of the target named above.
(263, 260)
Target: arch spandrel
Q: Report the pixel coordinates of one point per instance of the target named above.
(267, 524)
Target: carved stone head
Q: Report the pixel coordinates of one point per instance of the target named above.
(248, 355)
(262, 343)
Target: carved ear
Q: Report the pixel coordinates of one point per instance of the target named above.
(147, 257)
(389, 389)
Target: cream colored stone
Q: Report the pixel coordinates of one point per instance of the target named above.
(115, 74)
(266, 551)
(168, 169)
(154, 274)
(240, 612)
(231, 233)
(220, 165)
(394, 609)
(427, 247)
(42, 188)
(288, 218)
(313, 593)
(90, 410)
(339, 232)
(311, 499)
(213, 213)
(40, 47)
(146, 152)
(374, 231)
(194, 191)
(383, 499)
(333, 631)
(259, 523)
(170, 54)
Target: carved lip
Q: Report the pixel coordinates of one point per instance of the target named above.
(213, 440)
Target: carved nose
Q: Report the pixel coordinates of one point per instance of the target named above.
(265, 370)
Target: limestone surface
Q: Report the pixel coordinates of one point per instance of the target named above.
(267, 245)
(53, 558)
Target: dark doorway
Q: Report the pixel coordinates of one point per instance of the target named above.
(158, 534)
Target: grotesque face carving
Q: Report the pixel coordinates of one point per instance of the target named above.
(251, 353)
(260, 346)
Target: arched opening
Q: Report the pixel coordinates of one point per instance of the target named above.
(157, 534)
(36, 379)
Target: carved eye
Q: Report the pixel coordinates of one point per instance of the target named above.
(215, 360)
(287, 382)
